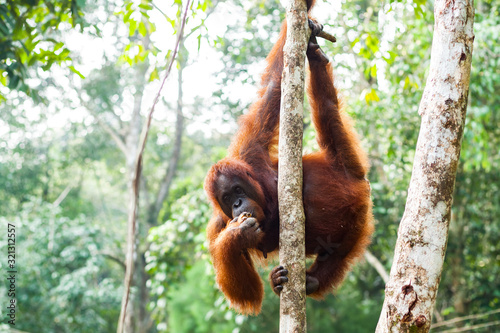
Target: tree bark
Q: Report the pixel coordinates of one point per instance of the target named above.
(292, 219)
(133, 175)
(422, 236)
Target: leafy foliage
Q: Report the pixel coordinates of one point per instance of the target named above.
(175, 246)
(64, 282)
(29, 38)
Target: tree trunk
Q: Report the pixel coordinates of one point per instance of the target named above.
(292, 219)
(420, 249)
(132, 140)
(163, 191)
(457, 229)
(176, 154)
(125, 325)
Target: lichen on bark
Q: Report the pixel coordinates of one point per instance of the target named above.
(422, 236)
(292, 219)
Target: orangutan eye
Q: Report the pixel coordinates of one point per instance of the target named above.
(238, 190)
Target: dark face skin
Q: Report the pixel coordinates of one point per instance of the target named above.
(235, 196)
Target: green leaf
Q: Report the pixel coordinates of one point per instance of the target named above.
(154, 75)
(14, 81)
(132, 27)
(145, 6)
(126, 17)
(171, 21)
(142, 29)
(74, 70)
(407, 83)
(372, 42)
(373, 71)
(354, 42)
(3, 78)
(58, 46)
(64, 55)
(371, 97)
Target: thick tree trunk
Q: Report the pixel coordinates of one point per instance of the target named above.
(292, 219)
(420, 249)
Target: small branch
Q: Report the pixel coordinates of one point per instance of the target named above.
(459, 319)
(116, 138)
(327, 36)
(115, 259)
(56, 203)
(158, 9)
(375, 263)
(63, 194)
(471, 328)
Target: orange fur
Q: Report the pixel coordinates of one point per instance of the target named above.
(336, 194)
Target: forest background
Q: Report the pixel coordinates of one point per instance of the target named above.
(76, 80)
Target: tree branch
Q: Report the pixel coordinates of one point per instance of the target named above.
(459, 319)
(63, 194)
(138, 166)
(471, 328)
(327, 36)
(112, 133)
(375, 263)
(115, 259)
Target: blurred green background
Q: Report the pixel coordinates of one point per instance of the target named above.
(76, 79)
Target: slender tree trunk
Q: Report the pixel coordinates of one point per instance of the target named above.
(144, 322)
(132, 140)
(174, 160)
(292, 219)
(155, 208)
(125, 325)
(420, 249)
(457, 262)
